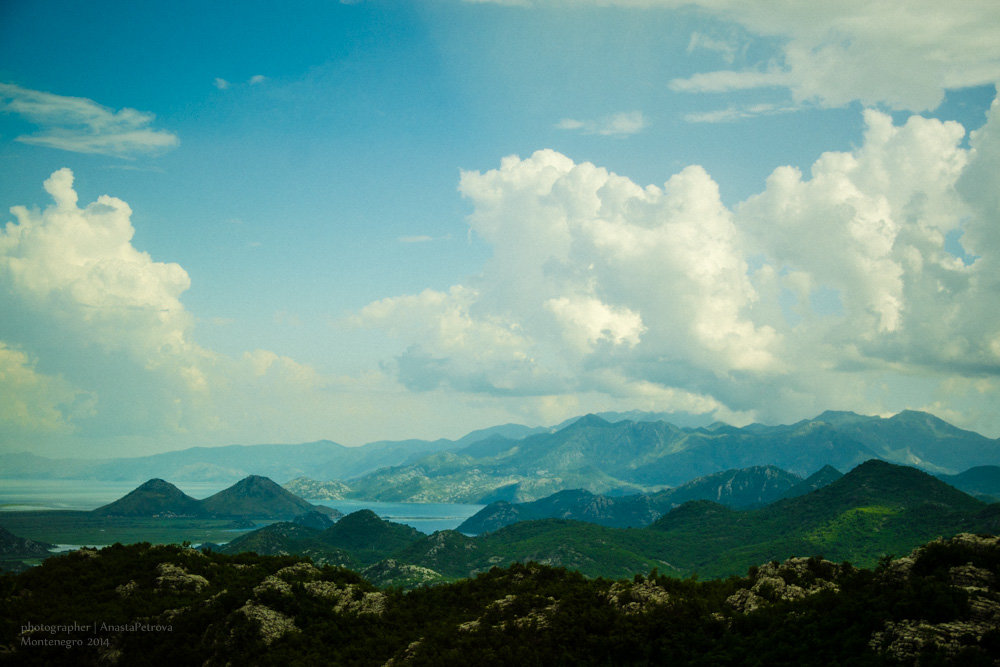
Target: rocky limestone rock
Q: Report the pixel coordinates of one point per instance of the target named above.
(636, 597)
(971, 578)
(272, 585)
(126, 590)
(793, 579)
(175, 578)
(391, 572)
(348, 599)
(537, 616)
(272, 624)
(298, 572)
(904, 640)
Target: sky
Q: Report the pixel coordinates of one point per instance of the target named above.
(282, 222)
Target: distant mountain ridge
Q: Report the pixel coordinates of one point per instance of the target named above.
(629, 457)
(254, 496)
(627, 453)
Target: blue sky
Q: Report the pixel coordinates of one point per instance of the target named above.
(381, 220)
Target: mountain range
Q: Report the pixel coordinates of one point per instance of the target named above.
(876, 509)
(613, 453)
(606, 455)
(252, 497)
(629, 457)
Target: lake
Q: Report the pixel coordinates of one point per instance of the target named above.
(66, 494)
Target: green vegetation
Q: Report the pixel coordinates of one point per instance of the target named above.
(159, 605)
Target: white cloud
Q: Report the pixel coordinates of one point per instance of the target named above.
(221, 84)
(590, 273)
(701, 42)
(257, 79)
(733, 114)
(423, 238)
(78, 296)
(828, 289)
(620, 124)
(80, 265)
(83, 126)
(32, 402)
(901, 53)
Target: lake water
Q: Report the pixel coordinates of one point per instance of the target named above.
(425, 517)
(64, 494)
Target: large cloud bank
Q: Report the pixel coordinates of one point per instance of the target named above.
(870, 283)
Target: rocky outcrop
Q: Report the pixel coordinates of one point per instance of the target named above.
(392, 572)
(272, 625)
(906, 639)
(537, 615)
(794, 579)
(349, 599)
(175, 578)
(637, 597)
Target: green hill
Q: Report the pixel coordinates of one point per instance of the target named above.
(12, 546)
(367, 537)
(360, 538)
(982, 481)
(825, 475)
(876, 509)
(747, 487)
(257, 496)
(254, 496)
(153, 498)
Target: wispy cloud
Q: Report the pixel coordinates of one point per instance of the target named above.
(732, 114)
(423, 238)
(621, 124)
(702, 42)
(81, 125)
(225, 84)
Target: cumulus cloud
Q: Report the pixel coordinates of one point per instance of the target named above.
(77, 296)
(835, 288)
(621, 124)
(35, 403)
(591, 274)
(83, 126)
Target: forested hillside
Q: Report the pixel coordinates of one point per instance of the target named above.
(166, 605)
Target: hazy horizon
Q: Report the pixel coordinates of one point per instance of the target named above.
(381, 220)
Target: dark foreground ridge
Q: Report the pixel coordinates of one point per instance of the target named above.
(167, 605)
